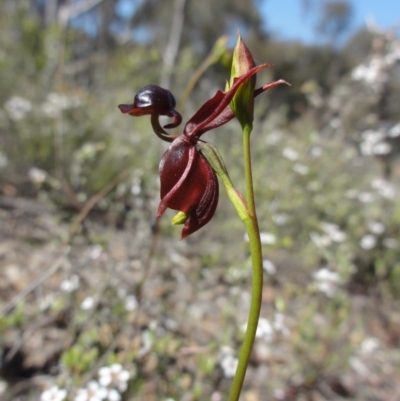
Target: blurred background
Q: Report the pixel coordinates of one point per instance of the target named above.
(100, 302)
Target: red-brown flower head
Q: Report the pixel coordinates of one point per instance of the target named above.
(188, 182)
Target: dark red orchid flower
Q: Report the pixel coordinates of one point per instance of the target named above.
(188, 183)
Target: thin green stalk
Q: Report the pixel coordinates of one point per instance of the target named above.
(248, 170)
(255, 307)
(247, 213)
(253, 232)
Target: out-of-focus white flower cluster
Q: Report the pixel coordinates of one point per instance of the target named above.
(267, 331)
(54, 393)
(327, 281)
(375, 70)
(17, 108)
(228, 361)
(113, 381)
(55, 103)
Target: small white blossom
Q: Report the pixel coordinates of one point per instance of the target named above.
(334, 232)
(113, 395)
(382, 148)
(114, 376)
(368, 242)
(265, 330)
(316, 151)
(384, 188)
(131, 303)
(17, 107)
(216, 396)
(269, 267)
(3, 160)
(366, 197)
(93, 392)
(267, 238)
(37, 175)
(87, 303)
(327, 281)
(229, 365)
(97, 252)
(280, 324)
(3, 386)
(290, 154)
(280, 218)
(53, 394)
(71, 284)
(273, 138)
(56, 102)
(369, 345)
(394, 132)
(376, 227)
(301, 169)
(321, 241)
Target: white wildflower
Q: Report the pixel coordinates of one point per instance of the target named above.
(229, 365)
(216, 396)
(56, 102)
(301, 169)
(131, 303)
(316, 151)
(280, 218)
(114, 376)
(3, 160)
(87, 303)
(394, 132)
(93, 392)
(53, 394)
(136, 186)
(368, 242)
(37, 175)
(17, 107)
(113, 395)
(280, 324)
(97, 252)
(382, 148)
(273, 138)
(265, 330)
(376, 227)
(366, 197)
(290, 154)
(384, 188)
(269, 267)
(334, 232)
(3, 386)
(71, 284)
(267, 238)
(369, 345)
(321, 241)
(327, 281)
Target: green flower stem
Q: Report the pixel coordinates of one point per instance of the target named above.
(247, 213)
(255, 307)
(253, 232)
(248, 171)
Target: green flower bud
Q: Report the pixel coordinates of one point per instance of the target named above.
(242, 103)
